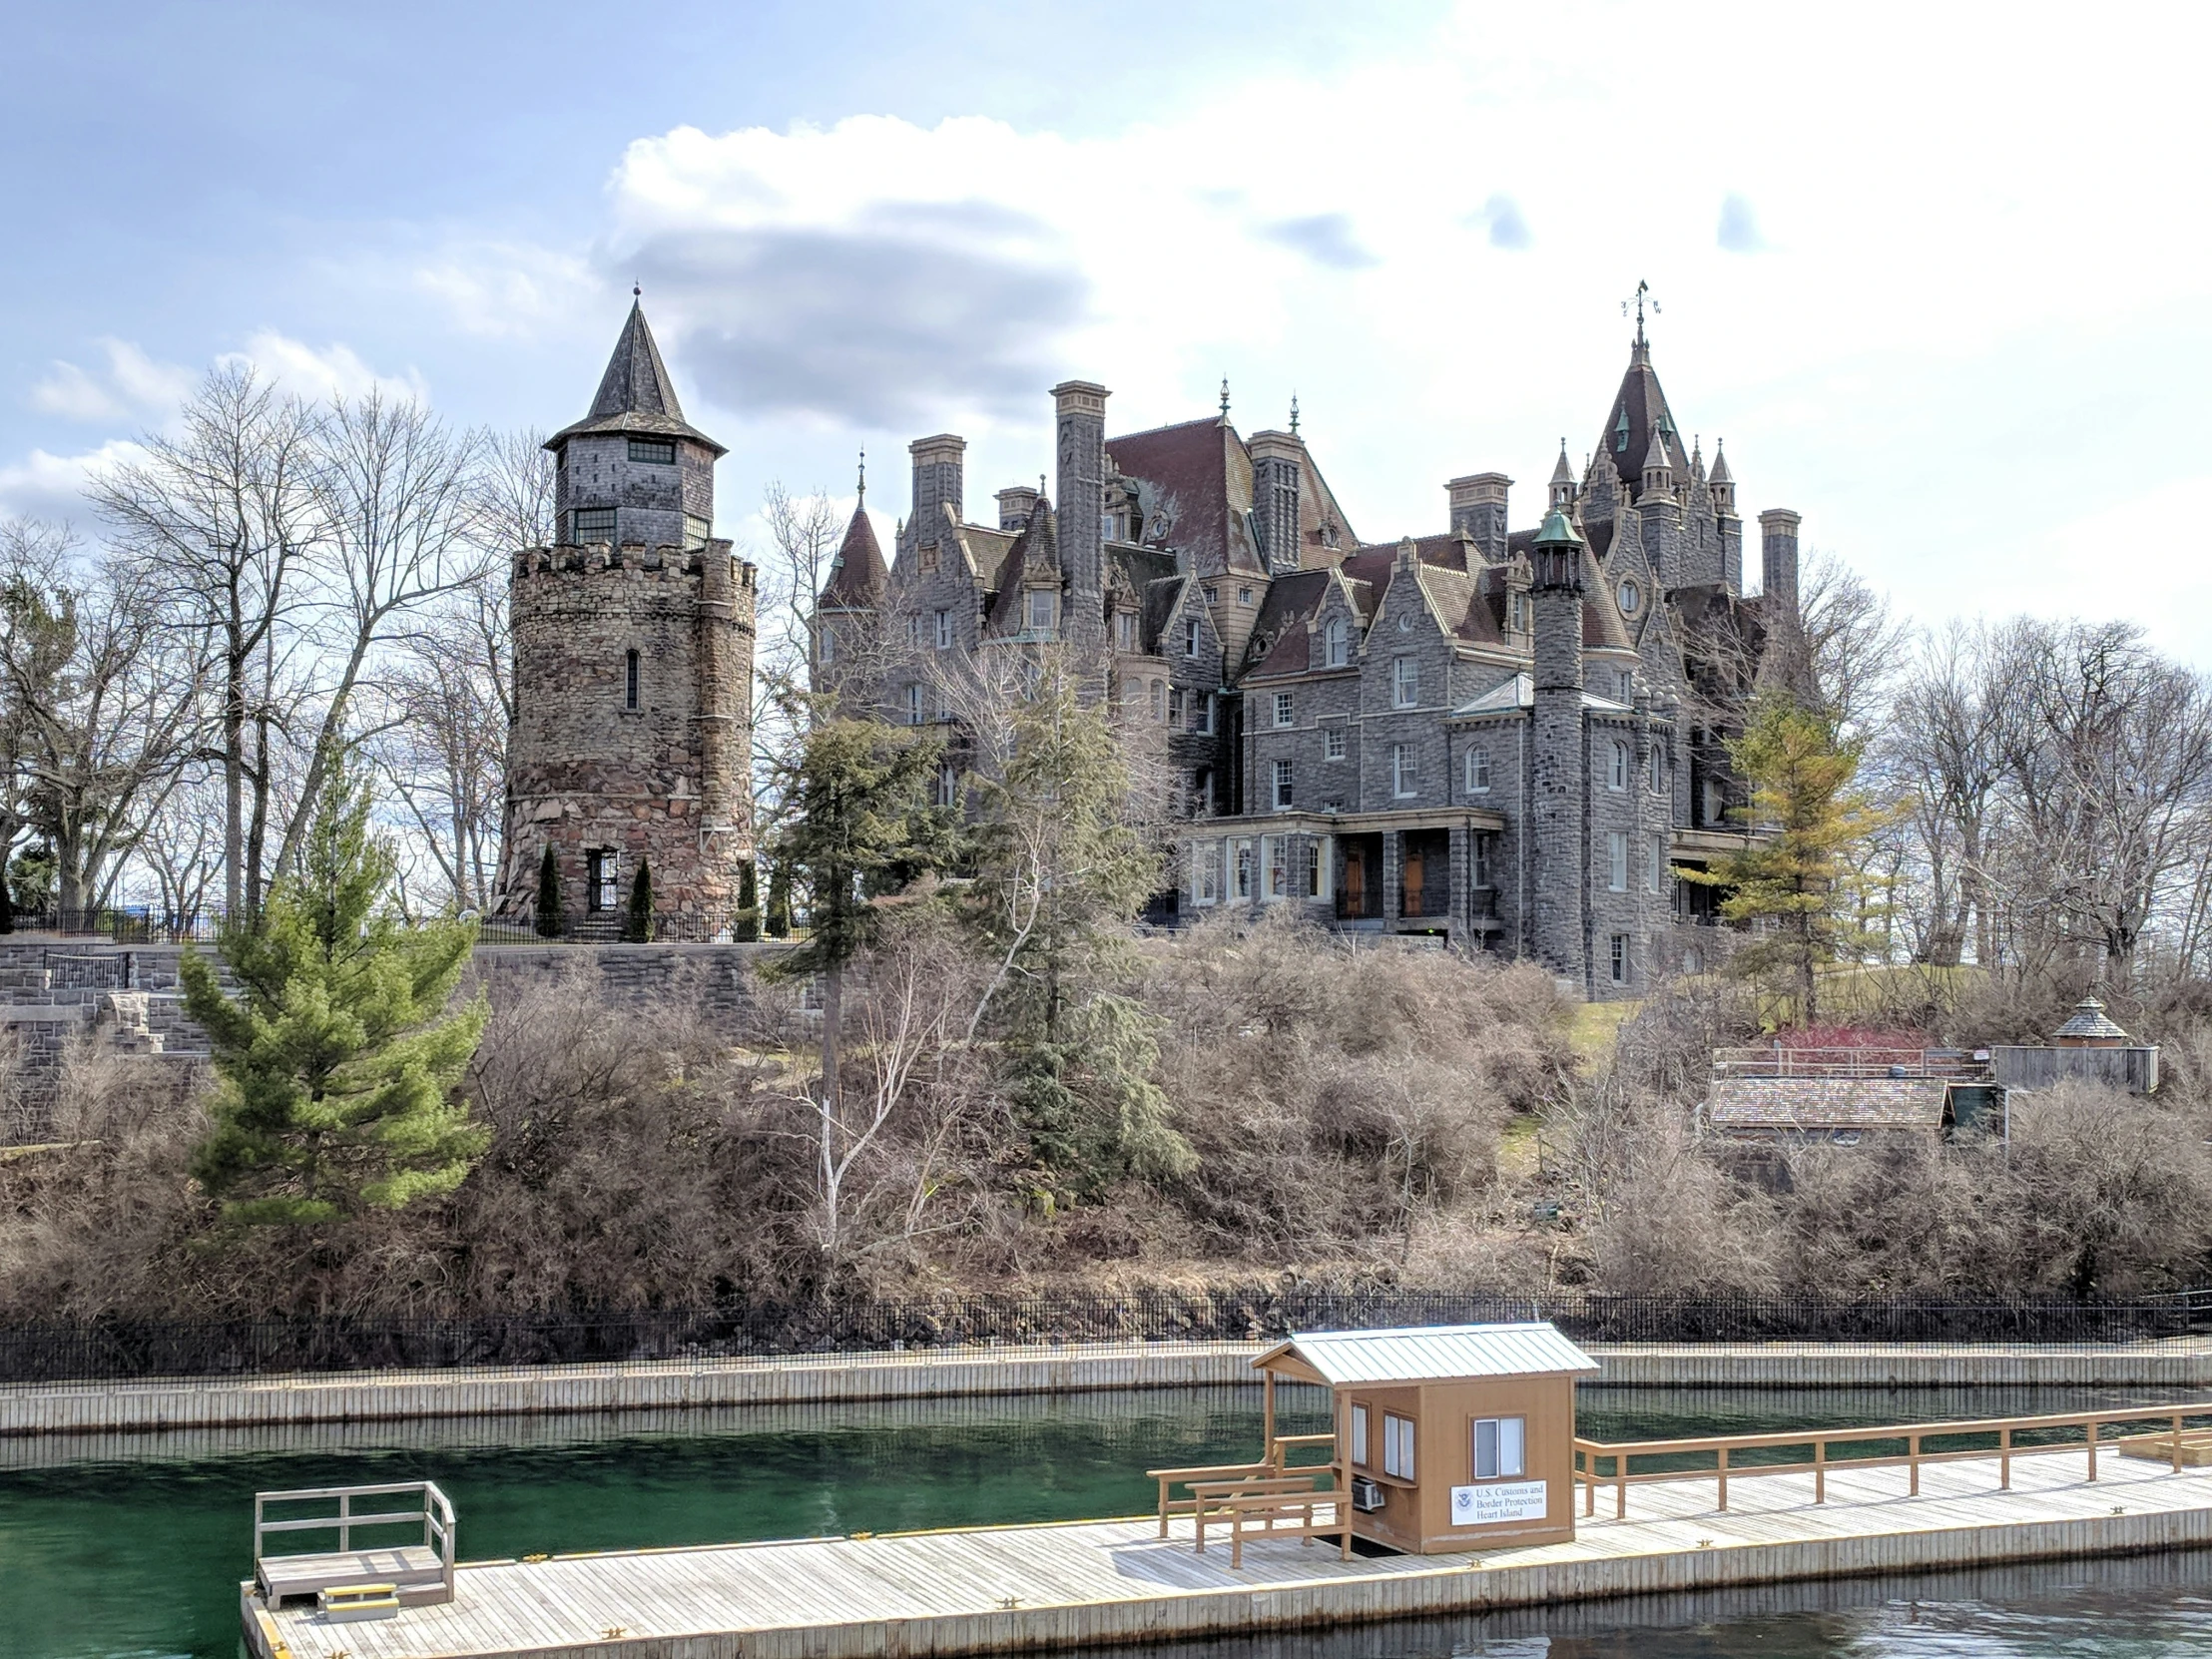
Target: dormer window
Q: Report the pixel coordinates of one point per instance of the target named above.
(1040, 608)
(1632, 597)
(1520, 613)
(1125, 630)
(1336, 643)
(1620, 432)
(1193, 637)
(654, 451)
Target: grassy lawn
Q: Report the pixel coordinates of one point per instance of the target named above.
(1591, 1026)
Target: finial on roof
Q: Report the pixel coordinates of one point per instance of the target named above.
(1224, 399)
(1294, 414)
(636, 292)
(1642, 289)
(864, 477)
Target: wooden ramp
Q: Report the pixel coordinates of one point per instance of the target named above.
(1013, 1588)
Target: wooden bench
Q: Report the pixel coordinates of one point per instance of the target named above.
(1265, 1512)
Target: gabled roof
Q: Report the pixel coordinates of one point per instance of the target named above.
(1639, 416)
(636, 394)
(1433, 1353)
(1035, 552)
(1187, 469)
(857, 577)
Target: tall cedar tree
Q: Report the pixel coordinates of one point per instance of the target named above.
(1801, 870)
(748, 915)
(636, 926)
(1060, 872)
(549, 895)
(858, 826)
(338, 1058)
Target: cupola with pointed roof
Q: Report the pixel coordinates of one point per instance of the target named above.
(1562, 482)
(634, 472)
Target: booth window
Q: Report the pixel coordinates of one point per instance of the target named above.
(1397, 1446)
(1499, 1443)
(1359, 1435)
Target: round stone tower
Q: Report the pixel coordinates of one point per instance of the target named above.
(633, 667)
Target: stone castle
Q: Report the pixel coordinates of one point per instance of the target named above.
(633, 667)
(1508, 740)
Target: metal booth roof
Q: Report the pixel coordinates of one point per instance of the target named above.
(1432, 1353)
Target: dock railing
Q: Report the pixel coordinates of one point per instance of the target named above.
(1610, 1464)
(433, 1510)
(1211, 1489)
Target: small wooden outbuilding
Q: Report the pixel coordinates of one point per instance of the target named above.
(1450, 1437)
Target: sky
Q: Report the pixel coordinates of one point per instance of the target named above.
(1942, 286)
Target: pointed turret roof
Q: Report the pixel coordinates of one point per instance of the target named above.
(1720, 473)
(1657, 456)
(1563, 473)
(857, 576)
(636, 394)
(1638, 420)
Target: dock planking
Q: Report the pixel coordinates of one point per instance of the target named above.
(1006, 1589)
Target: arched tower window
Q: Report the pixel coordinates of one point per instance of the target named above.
(1336, 641)
(1618, 779)
(630, 681)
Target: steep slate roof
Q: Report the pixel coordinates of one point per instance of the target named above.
(636, 394)
(1648, 416)
(1037, 548)
(857, 576)
(1290, 605)
(1433, 1353)
(1188, 468)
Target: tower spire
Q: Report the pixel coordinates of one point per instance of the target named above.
(1224, 399)
(1294, 414)
(1643, 289)
(863, 476)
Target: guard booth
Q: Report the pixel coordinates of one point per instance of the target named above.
(1450, 1437)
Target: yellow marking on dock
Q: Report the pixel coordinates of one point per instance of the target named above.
(993, 1590)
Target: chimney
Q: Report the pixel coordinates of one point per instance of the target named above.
(1478, 509)
(1079, 410)
(1778, 552)
(1278, 470)
(938, 484)
(1015, 503)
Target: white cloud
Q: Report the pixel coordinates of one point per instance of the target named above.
(509, 290)
(333, 370)
(131, 385)
(51, 487)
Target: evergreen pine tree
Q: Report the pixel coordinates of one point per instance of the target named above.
(338, 1058)
(636, 926)
(748, 918)
(1800, 868)
(549, 895)
(778, 923)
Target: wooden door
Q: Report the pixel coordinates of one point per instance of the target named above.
(1414, 860)
(1356, 883)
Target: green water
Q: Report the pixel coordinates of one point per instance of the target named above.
(134, 1544)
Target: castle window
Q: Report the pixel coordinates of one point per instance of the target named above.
(1520, 613)
(1125, 629)
(1332, 743)
(914, 705)
(1404, 682)
(1244, 596)
(1202, 715)
(945, 630)
(1281, 782)
(1174, 705)
(1285, 710)
(1620, 959)
(1336, 643)
(827, 639)
(1159, 700)
(1405, 775)
(590, 524)
(1040, 608)
(696, 532)
(1631, 596)
(1617, 777)
(1205, 873)
(1658, 770)
(630, 681)
(1192, 635)
(1628, 684)
(944, 788)
(1239, 857)
(601, 884)
(654, 451)
(1479, 771)
(1616, 856)
(1202, 793)
(1209, 593)
(1657, 873)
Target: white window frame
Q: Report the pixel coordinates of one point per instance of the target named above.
(1404, 682)
(1192, 635)
(1616, 777)
(1359, 1431)
(1244, 596)
(1507, 1453)
(1628, 684)
(1334, 641)
(914, 704)
(1616, 858)
(1176, 701)
(1205, 873)
(945, 630)
(1478, 770)
(1240, 867)
(1405, 771)
(1283, 783)
(1285, 709)
(1620, 963)
(1041, 608)
(1399, 1454)
(1204, 715)
(1332, 743)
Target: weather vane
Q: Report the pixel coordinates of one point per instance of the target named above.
(1294, 414)
(864, 472)
(1642, 289)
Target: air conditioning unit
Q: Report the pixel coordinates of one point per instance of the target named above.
(1367, 1495)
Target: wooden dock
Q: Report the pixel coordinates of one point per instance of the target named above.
(1015, 1588)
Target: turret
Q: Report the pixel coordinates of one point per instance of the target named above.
(1562, 483)
(1658, 467)
(1722, 482)
(1556, 759)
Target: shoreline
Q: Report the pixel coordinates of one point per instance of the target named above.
(674, 1384)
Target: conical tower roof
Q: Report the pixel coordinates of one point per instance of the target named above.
(1563, 473)
(1638, 420)
(1657, 455)
(857, 576)
(636, 394)
(1720, 473)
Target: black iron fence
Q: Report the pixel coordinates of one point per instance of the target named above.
(117, 1348)
(137, 926)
